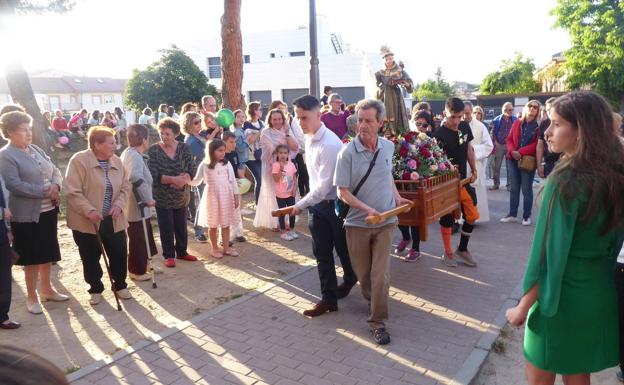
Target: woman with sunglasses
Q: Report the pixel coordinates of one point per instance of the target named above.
(191, 128)
(522, 141)
(422, 122)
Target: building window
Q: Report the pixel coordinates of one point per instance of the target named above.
(214, 68)
(108, 99)
(297, 53)
(73, 100)
(272, 55)
(96, 99)
(246, 59)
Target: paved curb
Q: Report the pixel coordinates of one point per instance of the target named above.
(157, 337)
(482, 348)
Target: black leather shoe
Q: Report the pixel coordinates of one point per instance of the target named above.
(10, 325)
(344, 289)
(381, 336)
(320, 309)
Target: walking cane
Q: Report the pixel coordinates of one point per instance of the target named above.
(99, 240)
(142, 206)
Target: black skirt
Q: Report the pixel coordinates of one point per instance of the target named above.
(37, 242)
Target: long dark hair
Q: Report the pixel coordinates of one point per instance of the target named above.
(596, 167)
(213, 145)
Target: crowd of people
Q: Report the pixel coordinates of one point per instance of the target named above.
(198, 169)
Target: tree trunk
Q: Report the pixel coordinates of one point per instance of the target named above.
(232, 55)
(22, 94)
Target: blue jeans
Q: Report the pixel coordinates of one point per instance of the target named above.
(255, 167)
(520, 180)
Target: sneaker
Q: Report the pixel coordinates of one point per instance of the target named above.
(293, 234)
(509, 219)
(188, 257)
(412, 256)
(619, 376)
(286, 237)
(466, 258)
(201, 238)
(240, 239)
(493, 188)
(526, 222)
(381, 336)
(170, 262)
(247, 211)
(95, 298)
(448, 260)
(124, 294)
(401, 247)
(140, 277)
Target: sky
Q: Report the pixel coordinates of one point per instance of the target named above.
(467, 39)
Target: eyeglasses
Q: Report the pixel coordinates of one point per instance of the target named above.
(535, 106)
(423, 125)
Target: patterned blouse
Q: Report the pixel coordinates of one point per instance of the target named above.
(159, 163)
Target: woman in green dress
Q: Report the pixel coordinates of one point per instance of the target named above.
(569, 299)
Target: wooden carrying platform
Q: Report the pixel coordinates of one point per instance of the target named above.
(433, 198)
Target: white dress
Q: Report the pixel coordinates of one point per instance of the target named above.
(482, 144)
(269, 139)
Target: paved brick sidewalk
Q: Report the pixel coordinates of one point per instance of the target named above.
(437, 317)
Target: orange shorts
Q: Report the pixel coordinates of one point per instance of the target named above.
(470, 211)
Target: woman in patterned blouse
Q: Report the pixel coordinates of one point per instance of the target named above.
(171, 164)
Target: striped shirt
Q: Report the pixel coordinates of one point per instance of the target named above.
(108, 195)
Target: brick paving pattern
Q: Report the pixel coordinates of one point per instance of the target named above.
(437, 315)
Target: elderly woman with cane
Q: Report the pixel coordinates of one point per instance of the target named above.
(97, 190)
(138, 209)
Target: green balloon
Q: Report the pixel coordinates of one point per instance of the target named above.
(225, 118)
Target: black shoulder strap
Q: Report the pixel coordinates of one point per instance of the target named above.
(370, 168)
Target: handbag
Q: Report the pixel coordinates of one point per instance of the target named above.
(342, 208)
(527, 163)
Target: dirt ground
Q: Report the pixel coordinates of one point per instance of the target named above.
(73, 334)
(505, 363)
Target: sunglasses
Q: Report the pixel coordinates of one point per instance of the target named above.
(535, 106)
(197, 122)
(423, 125)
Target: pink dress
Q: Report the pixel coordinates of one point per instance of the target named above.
(216, 207)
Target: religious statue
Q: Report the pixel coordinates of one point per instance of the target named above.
(390, 81)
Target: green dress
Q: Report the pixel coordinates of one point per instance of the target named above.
(573, 326)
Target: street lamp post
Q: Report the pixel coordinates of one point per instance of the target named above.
(315, 88)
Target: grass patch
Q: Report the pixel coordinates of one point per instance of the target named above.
(71, 369)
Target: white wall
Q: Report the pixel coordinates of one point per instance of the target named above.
(90, 104)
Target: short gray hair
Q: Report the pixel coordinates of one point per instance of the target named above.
(505, 105)
(468, 103)
(367, 104)
(333, 97)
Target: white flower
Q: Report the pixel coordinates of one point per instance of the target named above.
(422, 136)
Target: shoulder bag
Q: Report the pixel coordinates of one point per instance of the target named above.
(342, 208)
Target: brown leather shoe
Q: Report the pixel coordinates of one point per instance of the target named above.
(343, 290)
(320, 309)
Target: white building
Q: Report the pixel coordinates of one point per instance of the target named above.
(73, 93)
(277, 65)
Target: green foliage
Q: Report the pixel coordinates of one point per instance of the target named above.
(596, 59)
(174, 79)
(514, 77)
(437, 88)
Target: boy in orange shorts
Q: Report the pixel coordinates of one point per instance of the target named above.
(454, 137)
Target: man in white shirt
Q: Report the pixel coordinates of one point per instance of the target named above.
(321, 151)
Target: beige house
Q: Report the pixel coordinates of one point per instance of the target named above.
(552, 76)
(72, 93)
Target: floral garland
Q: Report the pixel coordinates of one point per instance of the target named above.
(417, 156)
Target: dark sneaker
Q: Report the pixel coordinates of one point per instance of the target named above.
(381, 336)
(412, 256)
(240, 239)
(401, 247)
(201, 238)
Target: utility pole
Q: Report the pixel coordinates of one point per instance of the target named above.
(315, 88)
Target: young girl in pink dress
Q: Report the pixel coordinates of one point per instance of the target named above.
(285, 178)
(220, 197)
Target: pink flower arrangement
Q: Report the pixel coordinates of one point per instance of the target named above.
(417, 156)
